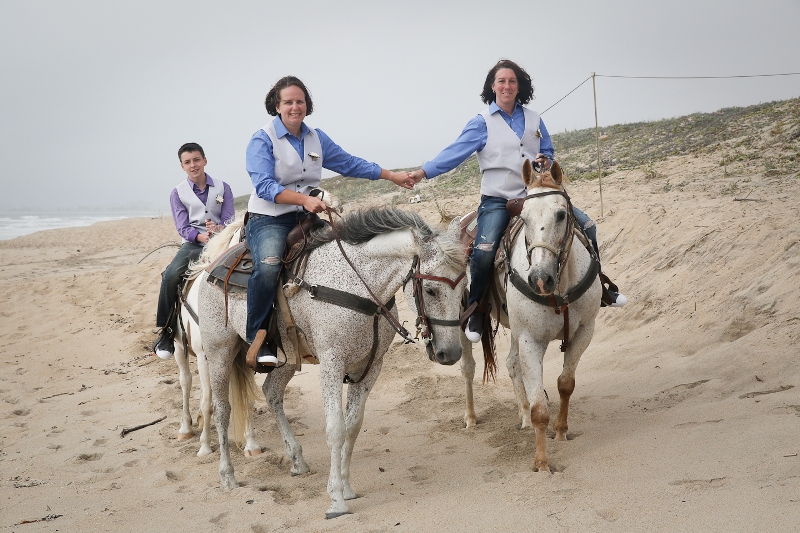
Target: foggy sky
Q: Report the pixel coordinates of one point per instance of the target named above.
(97, 96)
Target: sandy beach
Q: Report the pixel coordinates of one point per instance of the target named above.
(685, 417)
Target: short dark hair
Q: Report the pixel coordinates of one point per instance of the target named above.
(525, 93)
(190, 147)
(274, 95)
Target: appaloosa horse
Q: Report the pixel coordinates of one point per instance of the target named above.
(388, 249)
(552, 291)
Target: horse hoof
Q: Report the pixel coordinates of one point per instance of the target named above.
(253, 453)
(185, 436)
(337, 514)
(204, 450)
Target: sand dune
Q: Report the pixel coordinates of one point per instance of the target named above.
(686, 414)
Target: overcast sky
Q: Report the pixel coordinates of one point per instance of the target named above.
(97, 96)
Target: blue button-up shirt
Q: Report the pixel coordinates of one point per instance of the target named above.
(260, 160)
(473, 139)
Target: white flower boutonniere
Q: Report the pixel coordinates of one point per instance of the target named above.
(314, 156)
(220, 199)
(538, 133)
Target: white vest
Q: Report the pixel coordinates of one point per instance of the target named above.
(290, 171)
(502, 158)
(198, 213)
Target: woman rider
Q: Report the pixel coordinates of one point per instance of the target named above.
(285, 160)
(503, 135)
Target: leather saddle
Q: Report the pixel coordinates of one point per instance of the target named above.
(231, 270)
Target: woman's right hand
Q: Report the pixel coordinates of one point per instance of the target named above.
(312, 204)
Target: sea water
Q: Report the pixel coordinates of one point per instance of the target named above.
(18, 224)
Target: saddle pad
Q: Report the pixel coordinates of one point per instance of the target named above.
(240, 259)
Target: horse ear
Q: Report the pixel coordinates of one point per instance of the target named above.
(555, 172)
(527, 173)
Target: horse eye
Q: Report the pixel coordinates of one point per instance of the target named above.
(430, 291)
(560, 216)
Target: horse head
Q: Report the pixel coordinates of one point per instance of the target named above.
(547, 214)
(433, 290)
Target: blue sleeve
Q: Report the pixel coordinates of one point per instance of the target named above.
(471, 140)
(545, 143)
(260, 165)
(337, 160)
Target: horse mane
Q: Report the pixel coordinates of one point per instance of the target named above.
(362, 225)
(217, 244)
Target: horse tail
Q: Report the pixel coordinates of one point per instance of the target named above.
(242, 393)
(218, 243)
(487, 341)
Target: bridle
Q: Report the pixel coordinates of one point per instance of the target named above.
(424, 322)
(561, 252)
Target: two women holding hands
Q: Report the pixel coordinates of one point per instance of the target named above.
(285, 160)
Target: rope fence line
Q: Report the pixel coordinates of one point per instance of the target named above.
(594, 91)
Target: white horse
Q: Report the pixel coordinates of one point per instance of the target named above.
(542, 264)
(391, 249)
(195, 347)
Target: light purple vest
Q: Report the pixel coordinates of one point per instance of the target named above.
(198, 213)
(502, 158)
(290, 171)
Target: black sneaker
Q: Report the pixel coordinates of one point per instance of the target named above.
(474, 329)
(164, 346)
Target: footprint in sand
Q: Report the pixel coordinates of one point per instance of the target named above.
(89, 457)
(420, 473)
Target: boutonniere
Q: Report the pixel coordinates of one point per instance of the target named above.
(314, 156)
(538, 133)
(220, 199)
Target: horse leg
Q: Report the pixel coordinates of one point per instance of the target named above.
(468, 371)
(330, 377)
(182, 359)
(357, 394)
(515, 372)
(531, 353)
(252, 447)
(220, 379)
(204, 418)
(566, 381)
(274, 388)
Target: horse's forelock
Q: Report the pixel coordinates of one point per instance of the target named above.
(545, 181)
(453, 251)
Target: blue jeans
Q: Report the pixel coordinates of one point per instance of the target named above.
(588, 226)
(492, 221)
(172, 281)
(267, 238)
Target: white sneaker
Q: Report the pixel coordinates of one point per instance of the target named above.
(266, 357)
(619, 299)
(474, 329)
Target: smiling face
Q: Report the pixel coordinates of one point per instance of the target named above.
(292, 108)
(194, 164)
(505, 88)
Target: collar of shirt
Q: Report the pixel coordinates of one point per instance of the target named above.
(203, 195)
(281, 130)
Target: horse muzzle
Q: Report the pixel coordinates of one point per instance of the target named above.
(542, 282)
